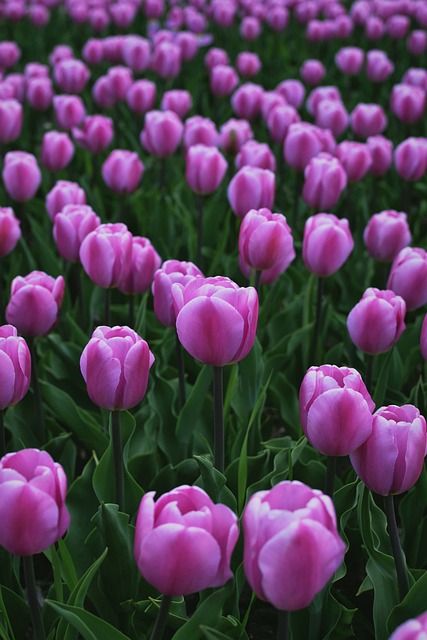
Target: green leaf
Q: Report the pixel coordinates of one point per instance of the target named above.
(413, 605)
(15, 613)
(192, 409)
(207, 613)
(214, 483)
(87, 624)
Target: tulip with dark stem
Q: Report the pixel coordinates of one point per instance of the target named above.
(162, 616)
(282, 625)
(33, 602)
(40, 422)
(2, 435)
(218, 395)
(399, 558)
(181, 371)
(118, 460)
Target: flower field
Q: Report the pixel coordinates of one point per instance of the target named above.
(213, 247)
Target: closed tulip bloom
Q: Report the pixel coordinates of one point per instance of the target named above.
(106, 254)
(265, 244)
(21, 175)
(95, 133)
(170, 272)
(56, 151)
(10, 231)
(413, 629)
(335, 409)
(102, 93)
(417, 77)
(205, 167)
(120, 79)
(417, 42)
(199, 130)
(279, 120)
(33, 515)
(324, 181)
(378, 65)
(69, 111)
(183, 541)
(216, 320)
(410, 158)
(122, 171)
(144, 263)
(408, 277)
(177, 100)
(115, 365)
(71, 75)
(141, 96)
(327, 244)
(376, 323)
(15, 367)
(93, 51)
(302, 143)
(349, 60)
(233, 134)
(35, 302)
(277, 17)
(374, 28)
(215, 56)
(39, 93)
(386, 234)
(390, 461)
(250, 28)
(293, 91)
(223, 80)
(368, 120)
(136, 53)
(319, 94)
(166, 60)
(162, 133)
(188, 43)
(18, 84)
(246, 101)
(64, 192)
(9, 54)
(256, 154)
(356, 159)
(248, 64)
(312, 72)
(60, 52)
(290, 530)
(251, 188)
(11, 117)
(408, 103)
(71, 226)
(123, 14)
(397, 26)
(332, 114)
(381, 150)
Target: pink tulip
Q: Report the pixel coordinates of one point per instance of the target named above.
(381, 150)
(205, 168)
(250, 28)
(303, 142)
(223, 80)
(216, 56)
(408, 277)
(417, 42)
(277, 525)
(332, 114)
(136, 53)
(102, 93)
(123, 14)
(115, 365)
(170, 272)
(233, 134)
(71, 75)
(416, 77)
(293, 91)
(216, 320)
(412, 629)
(368, 120)
(324, 181)
(319, 94)
(9, 54)
(279, 119)
(248, 64)
(378, 65)
(35, 302)
(166, 60)
(56, 151)
(39, 93)
(397, 26)
(188, 43)
(177, 100)
(277, 17)
(95, 133)
(144, 263)
(119, 79)
(15, 370)
(10, 231)
(256, 154)
(356, 159)
(199, 130)
(386, 234)
(251, 188)
(93, 51)
(162, 133)
(376, 323)
(269, 101)
(390, 461)
(408, 103)
(335, 409)
(265, 244)
(69, 111)
(327, 244)
(11, 118)
(246, 101)
(183, 541)
(63, 193)
(223, 13)
(33, 515)
(122, 171)
(71, 225)
(410, 158)
(106, 254)
(141, 96)
(312, 72)
(349, 60)
(21, 175)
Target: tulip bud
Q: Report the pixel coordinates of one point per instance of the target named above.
(178, 101)
(21, 175)
(246, 101)
(233, 134)
(144, 263)
(324, 181)
(248, 64)
(170, 272)
(63, 193)
(162, 133)
(386, 234)
(122, 171)
(56, 151)
(312, 72)
(136, 53)
(368, 120)
(106, 254)
(39, 93)
(223, 80)
(410, 158)
(10, 231)
(69, 111)
(412, 629)
(11, 115)
(381, 150)
(292, 91)
(327, 244)
(378, 65)
(71, 75)
(251, 188)
(199, 130)
(166, 60)
(332, 114)
(205, 167)
(71, 225)
(15, 370)
(355, 158)
(408, 277)
(349, 60)
(141, 96)
(408, 103)
(256, 154)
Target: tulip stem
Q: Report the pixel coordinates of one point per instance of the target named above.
(218, 419)
(317, 321)
(33, 602)
(2, 435)
(282, 625)
(369, 372)
(162, 617)
(258, 276)
(118, 459)
(107, 307)
(331, 466)
(80, 296)
(200, 218)
(181, 371)
(131, 315)
(40, 426)
(399, 558)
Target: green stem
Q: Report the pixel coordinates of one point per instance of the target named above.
(399, 558)
(369, 372)
(200, 218)
(317, 321)
(30, 582)
(331, 466)
(40, 424)
(258, 276)
(162, 618)
(107, 307)
(118, 459)
(131, 316)
(218, 419)
(282, 625)
(80, 296)
(2, 435)
(181, 371)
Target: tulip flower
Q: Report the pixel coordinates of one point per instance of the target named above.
(10, 231)
(233, 134)
(251, 188)
(412, 629)
(63, 193)
(162, 133)
(11, 118)
(386, 234)
(21, 175)
(95, 133)
(324, 181)
(122, 171)
(56, 151)
(408, 277)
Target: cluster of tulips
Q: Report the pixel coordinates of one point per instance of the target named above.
(146, 166)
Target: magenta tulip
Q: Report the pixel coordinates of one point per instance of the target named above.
(183, 541)
(408, 277)
(122, 171)
(71, 225)
(178, 100)
(355, 158)
(327, 244)
(408, 103)
(33, 514)
(95, 133)
(115, 364)
(223, 80)
(205, 167)
(170, 272)
(144, 263)
(21, 175)
(63, 193)
(10, 231)
(381, 150)
(335, 409)
(290, 530)
(248, 64)
(279, 119)
(56, 151)
(312, 72)
(332, 114)
(162, 133)
(324, 181)
(136, 53)
(413, 629)
(255, 154)
(106, 254)
(15, 367)
(410, 158)
(233, 134)
(368, 120)
(199, 130)
(69, 111)
(141, 96)
(349, 60)
(386, 234)
(251, 188)
(246, 101)
(11, 118)
(378, 65)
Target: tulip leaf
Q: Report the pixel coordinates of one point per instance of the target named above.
(14, 614)
(382, 381)
(190, 413)
(214, 483)
(251, 371)
(87, 624)
(413, 605)
(208, 613)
